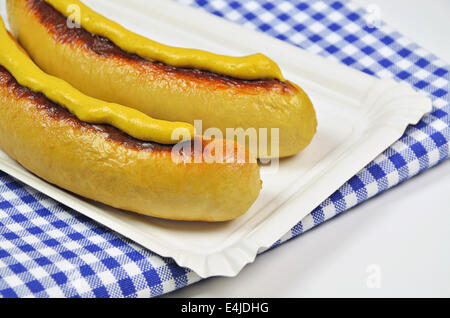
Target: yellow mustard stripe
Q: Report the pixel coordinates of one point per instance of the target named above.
(85, 108)
(250, 67)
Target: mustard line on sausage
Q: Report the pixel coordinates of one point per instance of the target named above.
(85, 108)
(251, 67)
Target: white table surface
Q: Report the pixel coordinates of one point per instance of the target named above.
(394, 245)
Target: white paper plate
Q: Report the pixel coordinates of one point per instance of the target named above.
(359, 117)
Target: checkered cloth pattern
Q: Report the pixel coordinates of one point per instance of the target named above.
(46, 249)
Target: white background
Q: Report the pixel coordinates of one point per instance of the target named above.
(403, 234)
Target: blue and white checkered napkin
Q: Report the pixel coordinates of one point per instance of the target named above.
(47, 249)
